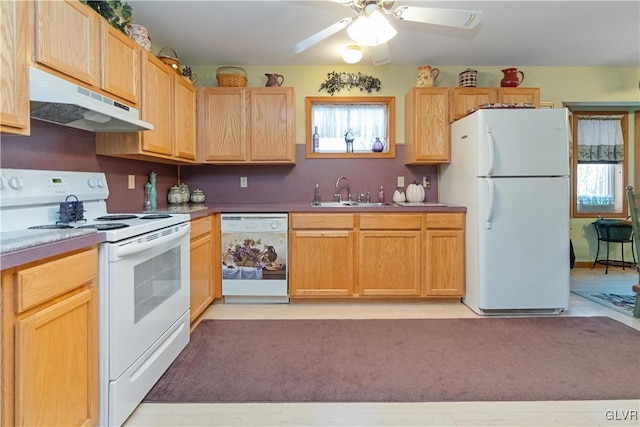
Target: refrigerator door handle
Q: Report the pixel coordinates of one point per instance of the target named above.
(490, 152)
(490, 202)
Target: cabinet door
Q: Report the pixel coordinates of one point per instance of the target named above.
(520, 95)
(272, 129)
(467, 98)
(68, 39)
(389, 263)
(321, 263)
(427, 126)
(222, 124)
(184, 113)
(201, 279)
(120, 64)
(444, 255)
(14, 71)
(57, 364)
(156, 105)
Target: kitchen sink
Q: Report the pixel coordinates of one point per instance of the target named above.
(351, 205)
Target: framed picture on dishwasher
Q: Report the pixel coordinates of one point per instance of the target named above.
(254, 258)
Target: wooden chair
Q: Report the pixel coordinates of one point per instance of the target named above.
(634, 209)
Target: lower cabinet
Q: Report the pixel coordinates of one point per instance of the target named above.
(321, 255)
(377, 255)
(444, 254)
(50, 342)
(202, 270)
(390, 246)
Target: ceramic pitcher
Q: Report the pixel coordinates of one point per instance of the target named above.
(510, 78)
(274, 79)
(427, 76)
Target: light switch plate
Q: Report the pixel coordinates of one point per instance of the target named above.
(243, 182)
(132, 182)
(401, 181)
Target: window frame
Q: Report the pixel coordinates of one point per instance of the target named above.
(389, 101)
(624, 123)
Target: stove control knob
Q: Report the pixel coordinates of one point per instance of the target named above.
(15, 182)
(274, 225)
(100, 183)
(3, 182)
(92, 183)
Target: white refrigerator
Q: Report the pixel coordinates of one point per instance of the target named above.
(510, 168)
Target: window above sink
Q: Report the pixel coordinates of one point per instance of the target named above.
(350, 127)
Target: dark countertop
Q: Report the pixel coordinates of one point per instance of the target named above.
(22, 247)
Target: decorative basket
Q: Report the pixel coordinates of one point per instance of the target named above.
(170, 57)
(231, 77)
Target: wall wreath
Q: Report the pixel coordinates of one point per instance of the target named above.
(338, 81)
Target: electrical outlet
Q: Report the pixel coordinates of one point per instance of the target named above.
(132, 182)
(426, 183)
(243, 182)
(401, 181)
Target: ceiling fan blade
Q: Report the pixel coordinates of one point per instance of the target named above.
(380, 54)
(448, 17)
(321, 35)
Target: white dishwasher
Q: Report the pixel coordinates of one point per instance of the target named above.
(254, 257)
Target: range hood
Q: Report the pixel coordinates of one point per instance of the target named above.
(59, 101)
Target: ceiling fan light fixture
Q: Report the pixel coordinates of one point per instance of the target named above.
(371, 30)
(352, 54)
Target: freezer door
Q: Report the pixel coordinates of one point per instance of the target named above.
(522, 142)
(523, 243)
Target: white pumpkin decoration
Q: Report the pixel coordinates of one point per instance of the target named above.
(415, 193)
(398, 196)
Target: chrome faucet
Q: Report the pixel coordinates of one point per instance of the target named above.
(338, 195)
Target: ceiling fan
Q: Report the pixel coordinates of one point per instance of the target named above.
(371, 28)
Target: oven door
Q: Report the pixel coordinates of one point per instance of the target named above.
(148, 292)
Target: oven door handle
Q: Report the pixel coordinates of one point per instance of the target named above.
(134, 248)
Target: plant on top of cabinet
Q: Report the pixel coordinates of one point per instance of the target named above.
(118, 14)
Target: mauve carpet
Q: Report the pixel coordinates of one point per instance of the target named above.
(408, 360)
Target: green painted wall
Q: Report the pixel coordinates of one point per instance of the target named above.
(557, 85)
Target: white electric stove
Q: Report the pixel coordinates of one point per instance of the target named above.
(143, 277)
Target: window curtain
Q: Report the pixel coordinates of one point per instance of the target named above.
(365, 121)
(600, 139)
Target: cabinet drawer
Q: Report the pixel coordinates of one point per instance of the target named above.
(445, 220)
(379, 221)
(200, 226)
(322, 221)
(43, 282)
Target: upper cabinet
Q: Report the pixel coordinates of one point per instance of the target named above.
(467, 98)
(426, 125)
(167, 101)
(14, 61)
(67, 39)
(246, 125)
(120, 64)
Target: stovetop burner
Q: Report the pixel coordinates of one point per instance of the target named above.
(155, 216)
(50, 227)
(108, 226)
(116, 217)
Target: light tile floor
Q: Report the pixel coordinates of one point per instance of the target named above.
(552, 413)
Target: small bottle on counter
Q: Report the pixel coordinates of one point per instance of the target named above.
(317, 199)
(152, 193)
(381, 194)
(316, 140)
(147, 197)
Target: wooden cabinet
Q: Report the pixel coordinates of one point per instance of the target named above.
(246, 125)
(14, 61)
(67, 39)
(50, 342)
(389, 258)
(167, 101)
(444, 254)
(426, 116)
(362, 255)
(321, 260)
(467, 98)
(120, 64)
(202, 266)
